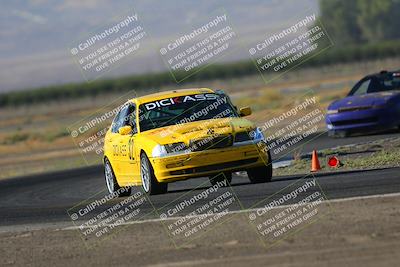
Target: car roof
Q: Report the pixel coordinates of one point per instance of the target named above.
(381, 74)
(171, 93)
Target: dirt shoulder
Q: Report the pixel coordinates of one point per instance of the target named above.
(383, 153)
(361, 232)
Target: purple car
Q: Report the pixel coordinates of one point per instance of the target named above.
(372, 105)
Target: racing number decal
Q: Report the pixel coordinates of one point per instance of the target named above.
(131, 150)
(115, 150)
(120, 150)
(124, 149)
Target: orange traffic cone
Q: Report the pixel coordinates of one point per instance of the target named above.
(315, 162)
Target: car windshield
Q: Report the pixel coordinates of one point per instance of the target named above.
(183, 109)
(374, 85)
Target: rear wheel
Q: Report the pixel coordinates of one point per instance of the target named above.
(226, 176)
(261, 174)
(149, 181)
(111, 181)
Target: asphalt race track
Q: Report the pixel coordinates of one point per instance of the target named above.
(320, 141)
(45, 198)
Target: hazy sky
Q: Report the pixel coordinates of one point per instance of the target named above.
(36, 35)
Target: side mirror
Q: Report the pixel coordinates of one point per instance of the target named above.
(246, 111)
(125, 130)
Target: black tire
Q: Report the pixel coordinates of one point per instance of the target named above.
(150, 184)
(111, 182)
(261, 174)
(220, 178)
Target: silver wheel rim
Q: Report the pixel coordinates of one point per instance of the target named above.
(109, 177)
(145, 175)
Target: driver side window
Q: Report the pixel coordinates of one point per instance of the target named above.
(119, 119)
(129, 118)
(363, 88)
(125, 117)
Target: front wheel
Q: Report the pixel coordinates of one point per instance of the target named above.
(111, 181)
(149, 181)
(261, 174)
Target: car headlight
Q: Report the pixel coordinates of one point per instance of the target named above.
(164, 150)
(332, 111)
(159, 151)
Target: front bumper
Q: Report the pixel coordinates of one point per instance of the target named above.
(372, 119)
(209, 162)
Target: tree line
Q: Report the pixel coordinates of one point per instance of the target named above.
(361, 21)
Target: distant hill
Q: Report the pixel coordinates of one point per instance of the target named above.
(35, 35)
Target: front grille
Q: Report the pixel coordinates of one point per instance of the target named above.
(175, 147)
(242, 137)
(215, 167)
(357, 121)
(211, 142)
(346, 109)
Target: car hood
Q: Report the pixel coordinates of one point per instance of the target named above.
(198, 130)
(364, 100)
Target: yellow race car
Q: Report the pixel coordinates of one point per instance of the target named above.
(175, 135)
